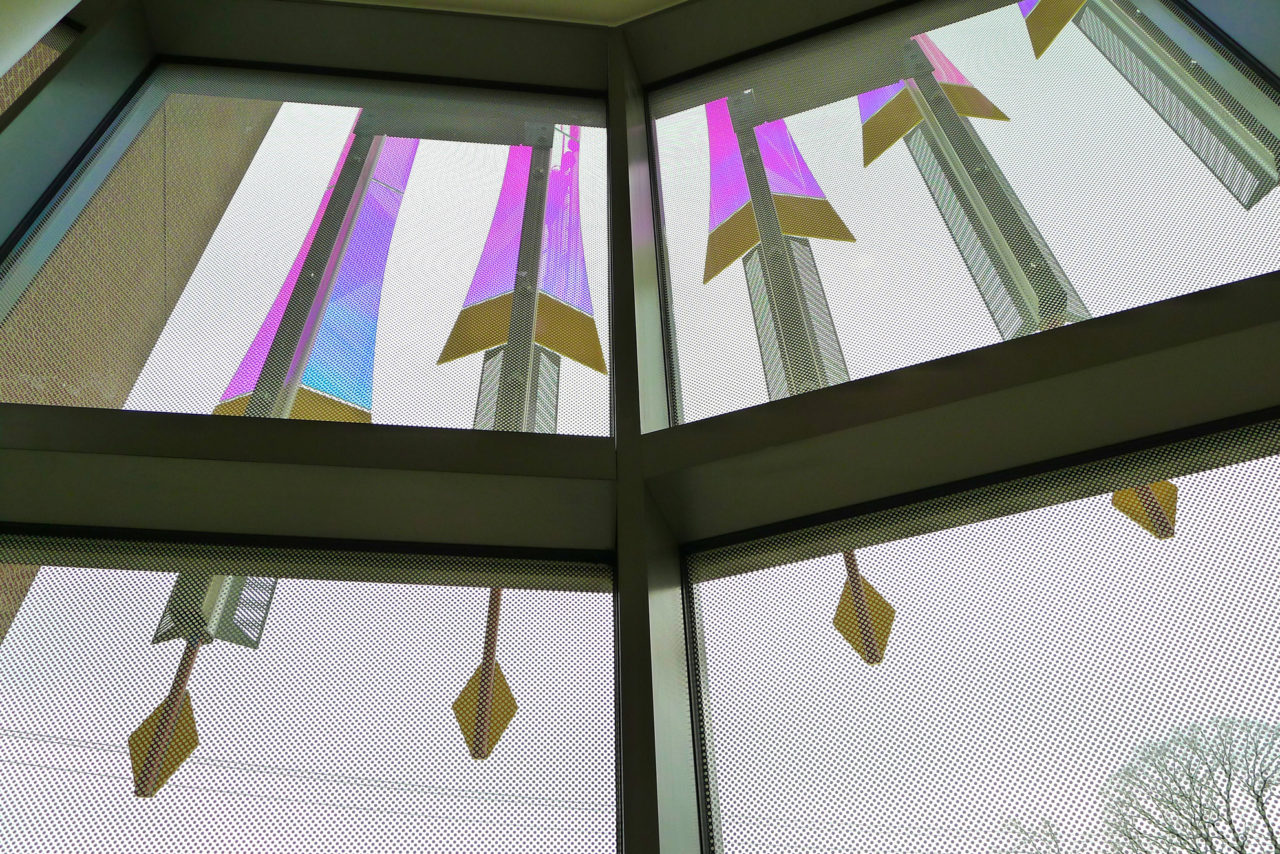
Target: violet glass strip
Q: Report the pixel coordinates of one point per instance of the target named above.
(564, 263)
(341, 360)
(944, 71)
(869, 103)
(246, 376)
(496, 272)
(729, 191)
(394, 162)
(1025, 6)
(784, 166)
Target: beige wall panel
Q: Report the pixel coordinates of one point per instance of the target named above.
(24, 72)
(15, 581)
(82, 331)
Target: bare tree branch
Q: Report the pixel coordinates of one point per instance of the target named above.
(1202, 790)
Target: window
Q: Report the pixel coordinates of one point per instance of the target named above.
(872, 199)
(330, 711)
(1019, 662)
(301, 246)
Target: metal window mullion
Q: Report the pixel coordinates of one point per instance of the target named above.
(658, 807)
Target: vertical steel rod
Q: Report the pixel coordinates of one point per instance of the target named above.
(488, 676)
(1028, 274)
(862, 611)
(1155, 512)
(272, 396)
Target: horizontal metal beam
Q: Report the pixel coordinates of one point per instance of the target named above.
(1132, 374)
(701, 51)
(100, 467)
(391, 106)
(240, 497)
(307, 558)
(78, 430)
(477, 48)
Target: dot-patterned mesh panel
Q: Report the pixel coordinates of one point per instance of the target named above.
(302, 246)
(952, 184)
(1029, 667)
(34, 62)
(344, 726)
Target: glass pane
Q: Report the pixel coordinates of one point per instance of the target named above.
(1005, 681)
(275, 245)
(34, 62)
(872, 199)
(340, 728)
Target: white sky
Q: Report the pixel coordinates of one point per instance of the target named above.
(440, 232)
(336, 734)
(1130, 212)
(1029, 656)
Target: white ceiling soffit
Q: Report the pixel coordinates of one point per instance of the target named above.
(603, 12)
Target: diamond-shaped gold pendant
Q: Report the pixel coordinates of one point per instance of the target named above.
(864, 621)
(184, 741)
(468, 703)
(1154, 507)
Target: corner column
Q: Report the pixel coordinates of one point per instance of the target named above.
(658, 805)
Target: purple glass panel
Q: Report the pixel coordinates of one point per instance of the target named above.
(1025, 6)
(394, 162)
(944, 71)
(784, 166)
(564, 264)
(496, 273)
(729, 191)
(246, 376)
(341, 360)
(869, 103)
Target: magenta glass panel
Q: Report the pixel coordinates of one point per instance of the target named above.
(341, 360)
(944, 71)
(869, 103)
(394, 162)
(246, 376)
(729, 190)
(496, 273)
(564, 263)
(784, 166)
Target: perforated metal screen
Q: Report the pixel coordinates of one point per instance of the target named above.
(914, 186)
(349, 725)
(34, 62)
(304, 246)
(1032, 667)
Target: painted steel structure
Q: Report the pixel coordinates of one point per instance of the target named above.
(1230, 125)
(1020, 280)
(765, 205)
(649, 492)
(529, 303)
